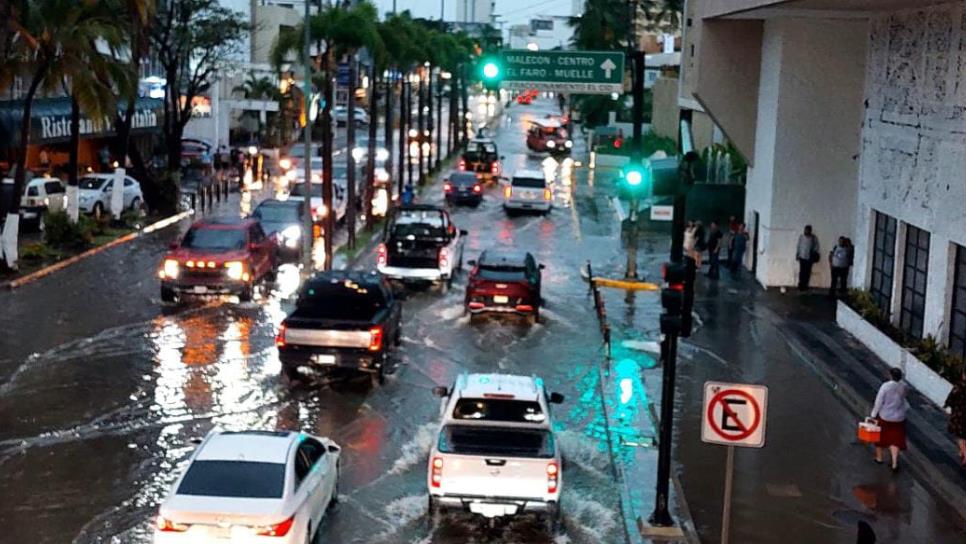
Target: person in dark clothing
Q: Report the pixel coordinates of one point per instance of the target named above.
(739, 244)
(807, 254)
(714, 249)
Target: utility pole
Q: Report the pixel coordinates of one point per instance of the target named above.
(308, 232)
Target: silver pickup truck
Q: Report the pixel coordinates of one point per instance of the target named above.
(495, 454)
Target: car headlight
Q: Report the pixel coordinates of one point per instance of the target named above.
(171, 268)
(382, 155)
(293, 232)
(285, 164)
(291, 175)
(235, 270)
(358, 153)
(569, 144)
(382, 176)
(320, 211)
(551, 144)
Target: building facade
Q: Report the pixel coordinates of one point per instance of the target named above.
(474, 11)
(543, 33)
(852, 115)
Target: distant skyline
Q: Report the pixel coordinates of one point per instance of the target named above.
(510, 12)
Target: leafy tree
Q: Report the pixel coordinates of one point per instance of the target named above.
(604, 25)
(193, 40)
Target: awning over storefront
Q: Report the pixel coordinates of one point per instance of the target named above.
(50, 121)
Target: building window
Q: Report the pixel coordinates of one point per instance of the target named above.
(914, 274)
(957, 321)
(883, 261)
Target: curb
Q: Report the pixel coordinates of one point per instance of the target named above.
(38, 274)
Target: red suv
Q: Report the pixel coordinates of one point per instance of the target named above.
(504, 281)
(219, 256)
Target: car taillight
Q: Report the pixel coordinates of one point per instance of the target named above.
(382, 255)
(447, 187)
(462, 165)
(166, 525)
(437, 474)
(495, 168)
(552, 477)
(476, 305)
(508, 191)
(280, 336)
(547, 194)
(279, 529)
(477, 188)
(443, 257)
(375, 338)
(524, 308)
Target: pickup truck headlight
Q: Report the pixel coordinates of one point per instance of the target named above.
(235, 270)
(171, 269)
(551, 144)
(382, 155)
(569, 144)
(285, 164)
(358, 153)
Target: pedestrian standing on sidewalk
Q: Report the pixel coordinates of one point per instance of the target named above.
(807, 254)
(890, 411)
(689, 240)
(714, 250)
(700, 244)
(740, 245)
(839, 259)
(729, 239)
(956, 402)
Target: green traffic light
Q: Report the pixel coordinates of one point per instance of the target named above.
(634, 178)
(491, 70)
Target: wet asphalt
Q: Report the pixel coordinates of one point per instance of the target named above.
(102, 389)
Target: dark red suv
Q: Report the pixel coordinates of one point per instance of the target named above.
(219, 256)
(504, 281)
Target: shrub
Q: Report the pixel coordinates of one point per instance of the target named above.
(37, 251)
(60, 232)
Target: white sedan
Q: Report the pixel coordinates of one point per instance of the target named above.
(94, 193)
(252, 487)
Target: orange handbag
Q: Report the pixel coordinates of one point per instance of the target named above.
(869, 431)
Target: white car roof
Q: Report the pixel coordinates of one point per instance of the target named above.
(38, 181)
(529, 174)
(259, 447)
(481, 385)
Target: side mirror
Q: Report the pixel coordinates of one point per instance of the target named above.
(471, 262)
(173, 246)
(556, 398)
(464, 232)
(333, 448)
(541, 266)
(196, 440)
(441, 391)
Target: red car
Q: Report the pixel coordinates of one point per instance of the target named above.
(219, 256)
(504, 282)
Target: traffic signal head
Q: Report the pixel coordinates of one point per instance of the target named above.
(637, 178)
(675, 275)
(491, 73)
(491, 70)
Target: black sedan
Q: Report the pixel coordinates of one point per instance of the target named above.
(463, 188)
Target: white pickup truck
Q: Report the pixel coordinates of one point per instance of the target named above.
(496, 454)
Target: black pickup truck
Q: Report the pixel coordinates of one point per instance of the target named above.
(481, 158)
(342, 319)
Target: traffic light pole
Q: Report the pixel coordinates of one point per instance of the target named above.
(661, 517)
(631, 272)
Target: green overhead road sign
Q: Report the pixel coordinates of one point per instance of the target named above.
(582, 72)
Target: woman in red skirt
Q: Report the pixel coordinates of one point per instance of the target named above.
(890, 411)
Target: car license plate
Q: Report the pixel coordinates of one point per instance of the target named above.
(323, 359)
(492, 510)
(200, 289)
(219, 532)
(500, 299)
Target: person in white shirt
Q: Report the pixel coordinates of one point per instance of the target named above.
(890, 410)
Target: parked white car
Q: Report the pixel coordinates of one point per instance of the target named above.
(41, 195)
(341, 115)
(251, 487)
(496, 454)
(94, 193)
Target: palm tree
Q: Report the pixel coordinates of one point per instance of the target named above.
(604, 25)
(257, 88)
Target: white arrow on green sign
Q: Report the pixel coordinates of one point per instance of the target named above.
(582, 72)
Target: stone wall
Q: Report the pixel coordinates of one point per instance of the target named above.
(913, 154)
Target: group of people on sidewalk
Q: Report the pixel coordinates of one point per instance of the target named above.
(891, 408)
(735, 239)
(840, 260)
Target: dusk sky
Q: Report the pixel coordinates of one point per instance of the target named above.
(512, 12)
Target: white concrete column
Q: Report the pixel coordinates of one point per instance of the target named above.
(117, 194)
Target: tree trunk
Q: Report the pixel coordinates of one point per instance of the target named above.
(371, 151)
(465, 99)
(350, 209)
(429, 118)
(407, 117)
(421, 120)
(73, 206)
(390, 91)
(439, 119)
(327, 194)
(453, 115)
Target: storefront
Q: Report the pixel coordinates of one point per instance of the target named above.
(50, 133)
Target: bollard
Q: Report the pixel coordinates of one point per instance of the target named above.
(194, 201)
(211, 197)
(224, 187)
(201, 200)
(216, 190)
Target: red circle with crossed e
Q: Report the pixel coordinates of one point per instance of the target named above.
(746, 430)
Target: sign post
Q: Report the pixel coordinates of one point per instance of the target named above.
(580, 72)
(733, 415)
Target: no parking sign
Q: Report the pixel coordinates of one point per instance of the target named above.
(734, 414)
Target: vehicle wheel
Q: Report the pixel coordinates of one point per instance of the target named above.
(379, 376)
(136, 204)
(98, 209)
(432, 513)
(291, 373)
(247, 293)
(397, 340)
(167, 295)
(272, 275)
(552, 521)
(335, 490)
